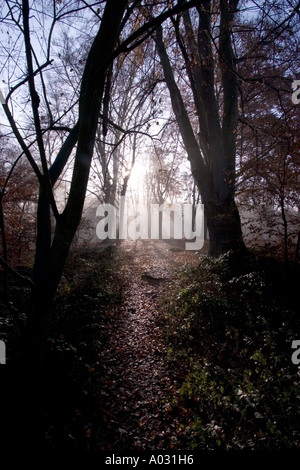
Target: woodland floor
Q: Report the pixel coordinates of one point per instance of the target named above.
(138, 386)
(108, 380)
(153, 347)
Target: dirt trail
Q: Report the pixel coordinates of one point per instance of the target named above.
(138, 387)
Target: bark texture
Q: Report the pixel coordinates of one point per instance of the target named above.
(52, 252)
(212, 152)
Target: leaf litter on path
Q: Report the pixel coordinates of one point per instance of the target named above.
(139, 395)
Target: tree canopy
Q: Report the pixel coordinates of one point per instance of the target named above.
(89, 88)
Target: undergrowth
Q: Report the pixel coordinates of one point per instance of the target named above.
(229, 329)
(67, 400)
(90, 288)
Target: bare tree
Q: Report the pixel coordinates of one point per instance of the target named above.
(212, 152)
(52, 245)
(268, 143)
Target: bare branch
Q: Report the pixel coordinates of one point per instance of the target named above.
(15, 273)
(35, 101)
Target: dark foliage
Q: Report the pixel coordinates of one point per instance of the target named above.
(231, 326)
(223, 377)
(66, 387)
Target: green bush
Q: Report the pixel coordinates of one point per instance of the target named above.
(230, 334)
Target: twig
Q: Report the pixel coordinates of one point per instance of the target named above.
(15, 273)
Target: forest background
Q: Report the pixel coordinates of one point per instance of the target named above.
(160, 101)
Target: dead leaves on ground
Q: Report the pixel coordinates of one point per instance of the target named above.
(122, 394)
(140, 397)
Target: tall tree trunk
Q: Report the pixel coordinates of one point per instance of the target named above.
(224, 226)
(212, 158)
(51, 256)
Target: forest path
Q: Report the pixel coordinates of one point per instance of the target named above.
(137, 389)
